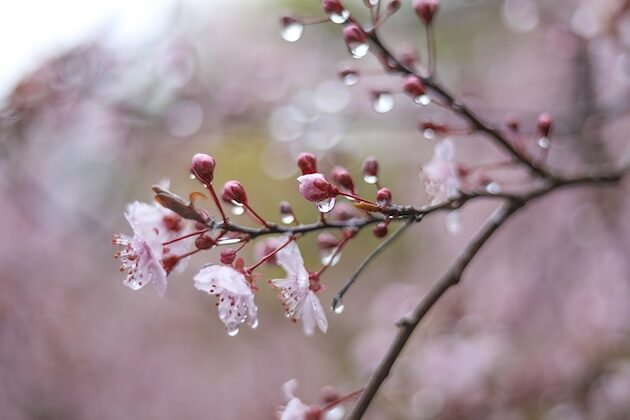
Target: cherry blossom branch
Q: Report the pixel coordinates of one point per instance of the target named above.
(453, 274)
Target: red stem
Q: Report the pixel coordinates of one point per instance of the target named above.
(260, 219)
(271, 254)
(185, 236)
(217, 202)
(342, 399)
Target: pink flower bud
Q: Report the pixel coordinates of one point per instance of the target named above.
(327, 241)
(353, 34)
(203, 167)
(285, 208)
(234, 193)
(307, 163)
(204, 242)
(393, 7)
(380, 230)
(315, 187)
(414, 86)
(544, 124)
(343, 178)
(383, 196)
(426, 9)
(370, 170)
(332, 6)
(228, 256)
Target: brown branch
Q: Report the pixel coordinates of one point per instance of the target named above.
(453, 275)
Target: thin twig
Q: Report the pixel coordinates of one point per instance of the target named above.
(380, 248)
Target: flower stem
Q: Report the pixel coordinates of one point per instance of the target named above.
(271, 254)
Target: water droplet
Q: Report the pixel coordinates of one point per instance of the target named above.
(340, 17)
(237, 210)
(423, 100)
(370, 179)
(292, 31)
(326, 205)
(350, 79)
(254, 324)
(453, 222)
(339, 308)
(287, 219)
(544, 143)
(192, 176)
(429, 133)
(232, 331)
(493, 187)
(383, 102)
(229, 241)
(358, 49)
(327, 257)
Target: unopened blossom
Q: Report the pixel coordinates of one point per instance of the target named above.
(236, 299)
(143, 255)
(315, 187)
(299, 301)
(441, 174)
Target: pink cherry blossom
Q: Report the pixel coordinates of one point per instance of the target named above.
(236, 299)
(295, 408)
(299, 301)
(143, 254)
(442, 180)
(315, 187)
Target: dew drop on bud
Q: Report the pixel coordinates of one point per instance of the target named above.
(254, 324)
(350, 79)
(237, 210)
(423, 100)
(383, 102)
(339, 308)
(292, 31)
(328, 259)
(287, 219)
(232, 331)
(370, 179)
(493, 187)
(229, 241)
(358, 49)
(453, 223)
(340, 17)
(429, 133)
(544, 143)
(326, 205)
(192, 176)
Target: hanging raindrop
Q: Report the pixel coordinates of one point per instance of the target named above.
(237, 210)
(423, 100)
(544, 143)
(326, 205)
(383, 102)
(287, 219)
(493, 187)
(192, 176)
(453, 223)
(339, 308)
(329, 257)
(350, 78)
(292, 31)
(229, 241)
(340, 17)
(370, 179)
(254, 324)
(232, 331)
(429, 133)
(358, 49)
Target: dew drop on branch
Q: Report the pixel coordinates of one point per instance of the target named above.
(383, 102)
(339, 308)
(287, 219)
(292, 31)
(358, 49)
(423, 100)
(340, 17)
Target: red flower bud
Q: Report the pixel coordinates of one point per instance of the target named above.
(426, 9)
(353, 34)
(204, 242)
(380, 230)
(234, 193)
(315, 187)
(544, 124)
(307, 163)
(370, 170)
(228, 256)
(343, 178)
(332, 6)
(203, 167)
(326, 241)
(383, 196)
(413, 86)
